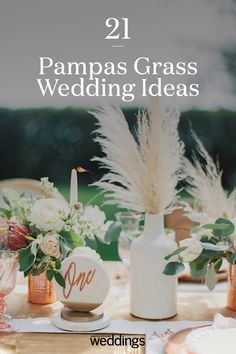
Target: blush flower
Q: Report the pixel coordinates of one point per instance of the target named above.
(50, 245)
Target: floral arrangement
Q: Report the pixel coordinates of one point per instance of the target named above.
(214, 210)
(204, 251)
(46, 229)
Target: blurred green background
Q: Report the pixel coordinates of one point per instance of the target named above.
(50, 142)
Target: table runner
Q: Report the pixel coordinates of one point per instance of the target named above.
(156, 332)
(45, 325)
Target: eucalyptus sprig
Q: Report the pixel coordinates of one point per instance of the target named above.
(205, 251)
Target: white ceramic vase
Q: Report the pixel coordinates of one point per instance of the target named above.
(153, 294)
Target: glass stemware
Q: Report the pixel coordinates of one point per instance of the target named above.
(8, 271)
(130, 222)
(130, 229)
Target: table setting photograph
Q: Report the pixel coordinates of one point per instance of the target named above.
(118, 177)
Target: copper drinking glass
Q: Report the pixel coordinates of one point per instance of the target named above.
(231, 298)
(40, 290)
(8, 271)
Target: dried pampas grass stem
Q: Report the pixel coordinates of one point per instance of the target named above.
(142, 174)
(205, 184)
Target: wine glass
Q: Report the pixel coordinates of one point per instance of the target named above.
(8, 271)
(130, 222)
(130, 229)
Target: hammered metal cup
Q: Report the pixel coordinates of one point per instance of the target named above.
(41, 290)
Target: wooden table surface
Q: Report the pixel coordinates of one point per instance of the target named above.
(194, 303)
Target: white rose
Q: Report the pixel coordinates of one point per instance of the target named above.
(193, 250)
(49, 214)
(86, 251)
(95, 216)
(50, 245)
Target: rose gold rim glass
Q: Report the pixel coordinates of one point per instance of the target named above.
(8, 271)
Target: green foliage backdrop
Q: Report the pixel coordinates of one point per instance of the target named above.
(36, 142)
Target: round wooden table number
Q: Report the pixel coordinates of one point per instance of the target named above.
(87, 286)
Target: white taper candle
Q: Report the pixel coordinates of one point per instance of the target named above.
(74, 187)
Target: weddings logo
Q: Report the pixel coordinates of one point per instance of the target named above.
(117, 341)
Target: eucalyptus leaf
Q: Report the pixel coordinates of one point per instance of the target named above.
(113, 232)
(220, 226)
(26, 262)
(211, 279)
(173, 268)
(198, 272)
(228, 230)
(59, 278)
(26, 258)
(91, 242)
(218, 264)
(49, 274)
(176, 252)
(232, 258)
(208, 254)
(72, 239)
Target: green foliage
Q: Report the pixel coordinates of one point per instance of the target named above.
(232, 258)
(49, 274)
(54, 273)
(113, 232)
(72, 239)
(26, 259)
(58, 264)
(59, 278)
(198, 271)
(176, 252)
(5, 213)
(92, 243)
(227, 230)
(211, 277)
(173, 268)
